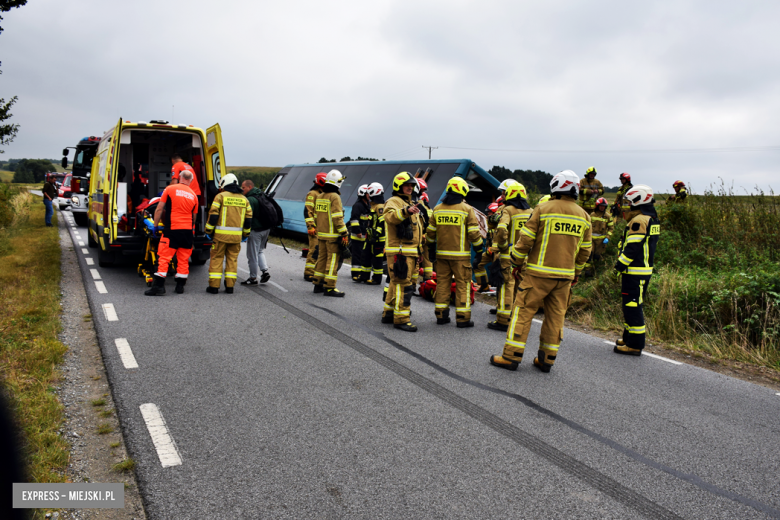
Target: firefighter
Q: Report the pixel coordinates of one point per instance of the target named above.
(590, 190)
(230, 221)
(358, 223)
(555, 242)
(480, 272)
(311, 228)
(177, 208)
(543, 200)
(403, 238)
(374, 254)
(635, 265)
(602, 227)
(332, 236)
(680, 193)
(454, 225)
(515, 214)
(426, 215)
(620, 197)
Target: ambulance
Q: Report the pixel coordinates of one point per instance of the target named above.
(132, 166)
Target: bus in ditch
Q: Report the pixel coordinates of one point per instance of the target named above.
(290, 186)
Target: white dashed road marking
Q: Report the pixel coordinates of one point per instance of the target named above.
(95, 274)
(101, 287)
(608, 342)
(110, 312)
(89, 261)
(85, 251)
(123, 347)
(163, 442)
(81, 244)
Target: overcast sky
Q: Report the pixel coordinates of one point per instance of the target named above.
(293, 81)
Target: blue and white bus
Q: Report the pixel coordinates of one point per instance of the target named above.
(290, 186)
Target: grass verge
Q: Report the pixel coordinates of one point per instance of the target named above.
(29, 324)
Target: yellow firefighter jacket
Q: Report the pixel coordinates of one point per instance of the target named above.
(395, 212)
(555, 241)
(508, 230)
(329, 216)
(308, 208)
(230, 217)
(602, 224)
(589, 192)
(450, 226)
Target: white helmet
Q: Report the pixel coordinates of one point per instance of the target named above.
(506, 184)
(227, 180)
(362, 190)
(640, 194)
(375, 189)
(334, 178)
(565, 182)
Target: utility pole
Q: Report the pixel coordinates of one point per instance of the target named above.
(429, 150)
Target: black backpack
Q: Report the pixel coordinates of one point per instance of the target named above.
(269, 213)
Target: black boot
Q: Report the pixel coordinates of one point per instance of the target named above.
(408, 327)
(445, 317)
(180, 283)
(157, 288)
(493, 311)
(318, 289)
(228, 290)
(465, 324)
(498, 326)
(212, 290)
(334, 292)
(388, 319)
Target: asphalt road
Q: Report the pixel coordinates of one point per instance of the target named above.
(275, 402)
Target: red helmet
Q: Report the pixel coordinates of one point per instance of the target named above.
(680, 184)
(422, 184)
(492, 208)
(601, 201)
(625, 176)
(500, 200)
(319, 179)
(424, 197)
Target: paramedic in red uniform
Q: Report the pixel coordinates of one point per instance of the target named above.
(179, 166)
(177, 208)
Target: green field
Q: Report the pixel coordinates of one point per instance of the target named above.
(260, 175)
(6, 176)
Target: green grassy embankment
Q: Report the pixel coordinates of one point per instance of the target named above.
(260, 175)
(29, 324)
(716, 286)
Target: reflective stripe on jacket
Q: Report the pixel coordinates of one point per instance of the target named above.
(450, 226)
(596, 191)
(230, 217)
(555, 241)
(329, 218)
(602, 224)
(395, 213)
(637, 249)
(308, 208)
(508, 230)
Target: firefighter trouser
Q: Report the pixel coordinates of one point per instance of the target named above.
(373, 261)
(633, 290)
(227, 253)
(399, 292)
(505, 295)
(310, 261)
(164, 256)
(461, 271)
(480, 272)
(425, 263)
(358, 251)
(327, 269)
(533, 291)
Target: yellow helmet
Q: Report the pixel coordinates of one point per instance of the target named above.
(458, 185)
(401, 179)
(515, 190)
(592, 170)
(543, 200)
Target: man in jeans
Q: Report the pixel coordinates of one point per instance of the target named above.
(258, 237)
(49, 192)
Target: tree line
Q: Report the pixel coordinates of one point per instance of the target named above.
(533, 180)
(29, 171)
